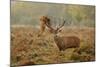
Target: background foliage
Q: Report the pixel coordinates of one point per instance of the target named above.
(30, 12)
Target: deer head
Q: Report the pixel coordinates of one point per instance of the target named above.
(56, 30)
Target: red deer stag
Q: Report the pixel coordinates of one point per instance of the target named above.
(64, 42)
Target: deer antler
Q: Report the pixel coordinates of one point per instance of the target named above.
(61, 25)
(55, 30)
(49, 26)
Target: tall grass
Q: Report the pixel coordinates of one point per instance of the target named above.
(29, 49)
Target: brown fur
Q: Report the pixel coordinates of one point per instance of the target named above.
(67, 42)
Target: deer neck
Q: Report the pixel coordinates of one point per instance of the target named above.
(56, 38)
(58, 41)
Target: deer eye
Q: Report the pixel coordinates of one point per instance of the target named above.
(59, 30)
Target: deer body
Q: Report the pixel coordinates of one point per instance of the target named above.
(66, 42)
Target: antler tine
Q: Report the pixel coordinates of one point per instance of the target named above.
(49, 26)
(58, 24)
(61, 25)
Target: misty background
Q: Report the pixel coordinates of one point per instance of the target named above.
(29, 13)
